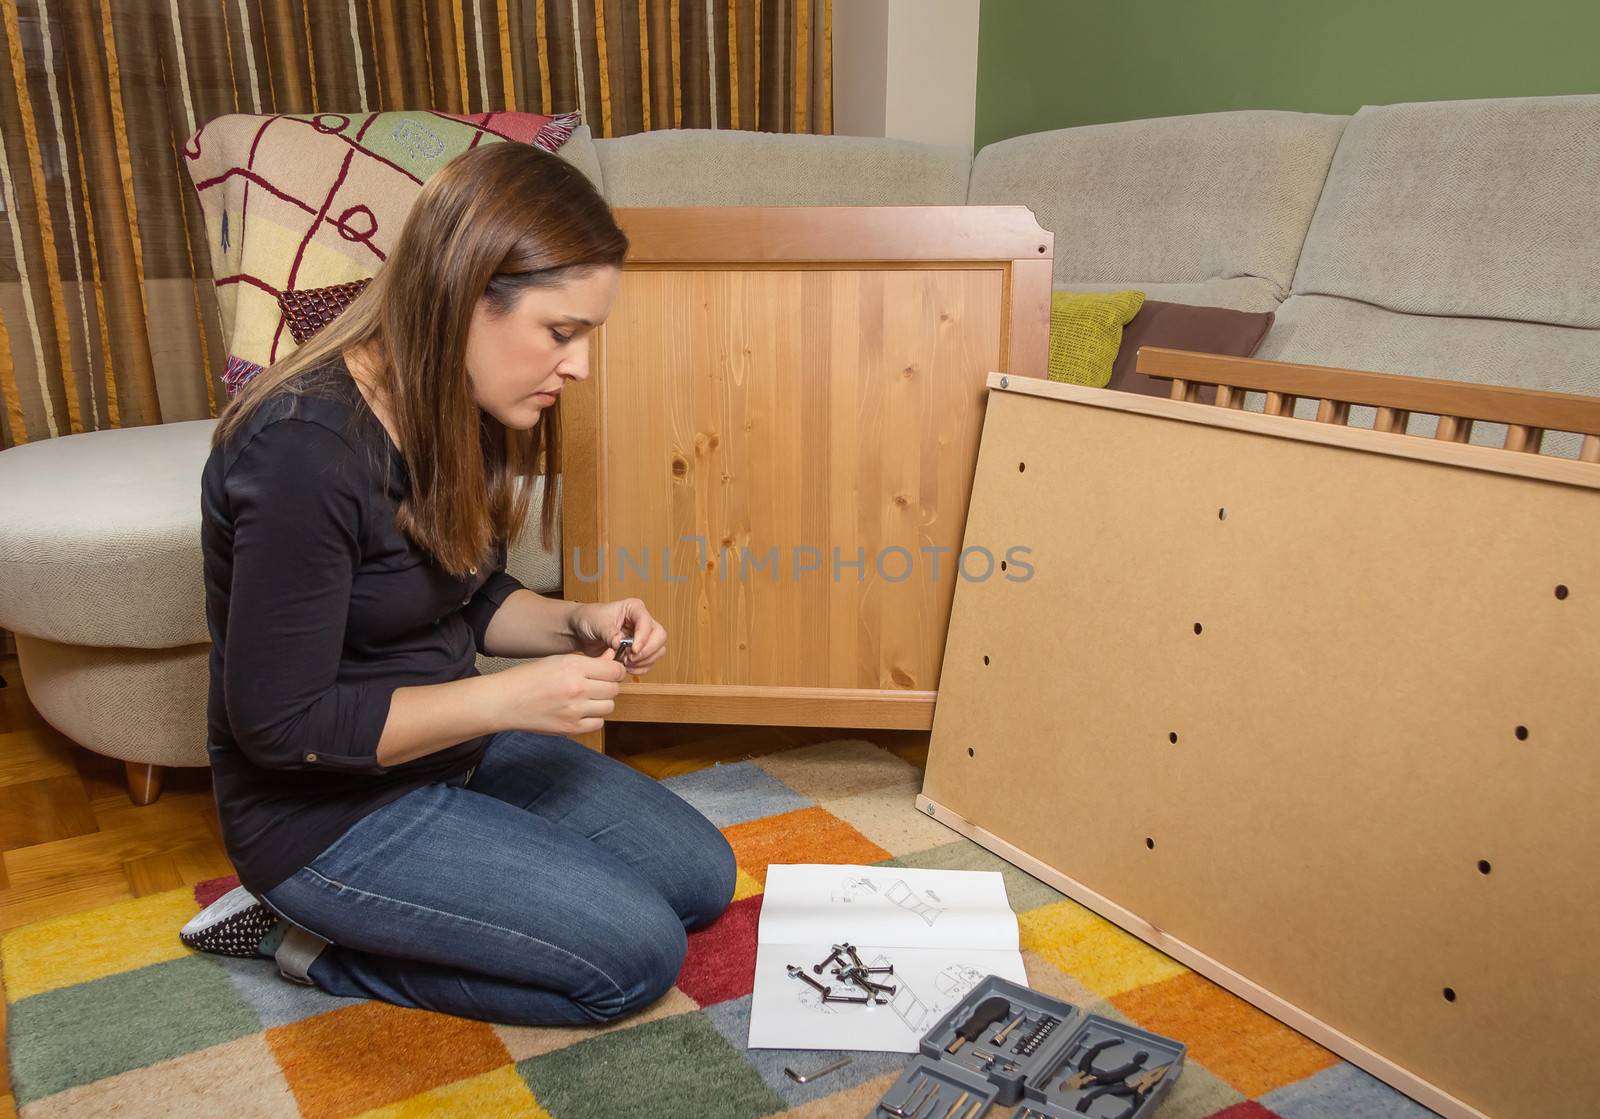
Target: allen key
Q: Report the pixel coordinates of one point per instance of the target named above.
(809, 1077)
(913, 1102)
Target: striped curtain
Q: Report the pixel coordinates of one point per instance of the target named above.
(107, 313)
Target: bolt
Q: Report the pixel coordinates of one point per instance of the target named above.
(818, 967)
(846, 998)
(800, 973)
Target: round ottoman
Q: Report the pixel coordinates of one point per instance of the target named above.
(100, 582)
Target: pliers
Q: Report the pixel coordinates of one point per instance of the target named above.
(1087, 1074)
(1134, 1091)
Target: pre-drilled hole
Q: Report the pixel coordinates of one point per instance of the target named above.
(1222, 514)
(985, 660)
(1002, 565)
(1522, 734)
(1149, 843)
(1561, 590)
(1484, 867)
(1021, 466)
(971, 753)
(1197, 628)
(1449, 994)
(1173, 738)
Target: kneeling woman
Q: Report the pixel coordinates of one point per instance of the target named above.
(405, 829)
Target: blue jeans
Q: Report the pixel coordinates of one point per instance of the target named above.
(553, 888)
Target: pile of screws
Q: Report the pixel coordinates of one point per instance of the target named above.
(853, 973)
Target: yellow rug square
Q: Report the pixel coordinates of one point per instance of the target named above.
(501, 1093)
(1104, 958)
(65, 951)
(744, 886)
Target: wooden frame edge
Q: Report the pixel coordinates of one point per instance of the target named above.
(745, 705)
(1425, 395)
(1494, 460)
(749, 234)
(1424, 1092)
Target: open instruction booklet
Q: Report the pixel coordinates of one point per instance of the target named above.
(942, 930)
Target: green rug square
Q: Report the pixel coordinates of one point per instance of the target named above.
(1023, 890)
(672, 1068)
(77, 1035)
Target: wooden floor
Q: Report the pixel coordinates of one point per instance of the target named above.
(71, 840)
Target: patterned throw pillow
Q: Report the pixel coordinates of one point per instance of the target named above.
(311, 309)
(307, 201)
(1085, 332)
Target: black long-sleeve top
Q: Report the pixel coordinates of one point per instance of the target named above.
(319, 607)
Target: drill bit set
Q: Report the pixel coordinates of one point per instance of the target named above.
(1007, 1046)
(873, 985)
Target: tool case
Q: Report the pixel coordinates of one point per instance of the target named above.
(1054, 1062)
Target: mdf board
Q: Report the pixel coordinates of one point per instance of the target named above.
(775, 449)
(1312, 710)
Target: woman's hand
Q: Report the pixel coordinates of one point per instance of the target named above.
(569, 693)
(601, 625)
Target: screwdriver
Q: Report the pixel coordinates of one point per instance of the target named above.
(984, 1015)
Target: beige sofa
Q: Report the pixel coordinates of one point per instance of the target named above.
(1451, 239)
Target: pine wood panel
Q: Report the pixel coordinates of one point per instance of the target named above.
(792, 410)
(806, 380)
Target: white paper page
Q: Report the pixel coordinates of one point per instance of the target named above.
(906, 907)
(943, 931)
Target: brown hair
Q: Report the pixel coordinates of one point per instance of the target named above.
(490, 224)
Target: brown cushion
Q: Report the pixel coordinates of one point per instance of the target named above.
(1178, 326)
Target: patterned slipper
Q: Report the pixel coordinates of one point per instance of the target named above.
(233, 925)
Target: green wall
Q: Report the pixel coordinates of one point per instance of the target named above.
(1056, 63)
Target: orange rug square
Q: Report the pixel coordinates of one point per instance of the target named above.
(806, 835)
(1254, 1053)
(363, 1056)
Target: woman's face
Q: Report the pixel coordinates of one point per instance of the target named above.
(518, 361)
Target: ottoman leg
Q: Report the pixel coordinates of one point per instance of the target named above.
(144, 782)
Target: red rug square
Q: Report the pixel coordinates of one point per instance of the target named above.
(213, 888)
(721, 962)
(1249, 1109)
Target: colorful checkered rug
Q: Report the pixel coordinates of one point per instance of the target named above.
(110, 1015)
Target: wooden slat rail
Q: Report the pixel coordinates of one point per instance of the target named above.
(1527, 413)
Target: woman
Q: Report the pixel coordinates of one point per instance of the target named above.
(428, 836)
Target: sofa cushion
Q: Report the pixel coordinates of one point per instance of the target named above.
(297, 201)
(1178, 200)
(139, 705)
(1323, 330)
(719, 167)
(1239, 293)
(1468, 208)
(100, 537)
